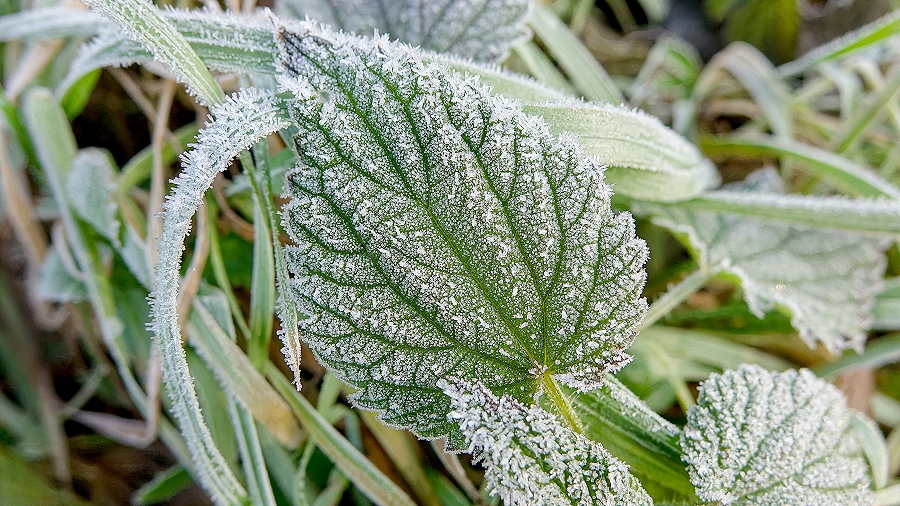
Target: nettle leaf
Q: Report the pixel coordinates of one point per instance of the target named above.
(440, 232)
(758, 437)
(483, 30)
(531, 458)
(827, 280)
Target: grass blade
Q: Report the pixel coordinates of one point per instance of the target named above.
(837, 170)
(143, 22)
(586, 74)
(644, 159)
(866, 216)
(354, 464)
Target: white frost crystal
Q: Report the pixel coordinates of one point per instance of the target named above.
(483, 30)
(763, 438)
(440, 232)
(531, 458)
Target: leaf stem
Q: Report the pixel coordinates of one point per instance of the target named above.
(676, 295)
(561, 403)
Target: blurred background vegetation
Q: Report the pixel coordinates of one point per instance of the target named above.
(81, 418)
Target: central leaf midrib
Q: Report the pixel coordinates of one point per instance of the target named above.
(412, 195)
(377, 266)
(513, 231)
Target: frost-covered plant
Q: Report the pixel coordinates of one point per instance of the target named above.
(457, 260)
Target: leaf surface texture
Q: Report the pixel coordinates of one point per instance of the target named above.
(483, 30)
(827, 280)
(531, 458)
(440, 232)
(762, 438)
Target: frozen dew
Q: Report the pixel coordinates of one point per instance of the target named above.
(441, 232)
(531, 458)
(762, 438)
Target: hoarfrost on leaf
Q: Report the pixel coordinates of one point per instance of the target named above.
(531, 458)
(441, 232)
(763, 438)
(826, 279)
(483, 30)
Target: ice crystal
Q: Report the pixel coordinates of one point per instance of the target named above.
(441, 232)
(826, 279)
(758, 437)
(531, 458)
(483, 30)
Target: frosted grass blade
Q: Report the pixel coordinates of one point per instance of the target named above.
(874, 217)
(645, 159)
(586, 74)
(51, 22)
(345, 456)
(871, 35)
(837, 170)
(142, 21)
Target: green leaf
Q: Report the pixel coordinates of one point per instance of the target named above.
(826, 280)
(142, 21)
(483, 30)
(531, 458)
(769, 25)
(445, 233)
(620, 421)
(870, 36)
(58, 282)
(586, 74)
(92, 187)
(761, 438)
(644, 158)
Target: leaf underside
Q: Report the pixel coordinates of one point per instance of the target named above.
(762, 438)
(440, 232)
(530, 458)
(826, 279)
(483, 30)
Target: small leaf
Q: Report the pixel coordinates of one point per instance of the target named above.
(445, 233)
(827, 280)
(92, 187)
(531, 458)
(57, 282)
(761, 438)
(483, 30)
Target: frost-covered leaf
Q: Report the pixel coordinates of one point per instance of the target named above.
(644, 158)
(826, 280)
(92, 187)
(59, 282)
(531, 458)
(483, 30)
(762, 438)
(441, 232)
